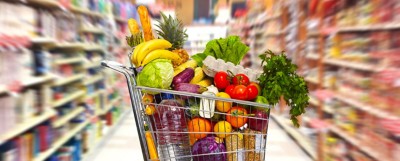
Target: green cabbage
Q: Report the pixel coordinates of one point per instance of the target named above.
(156, 74)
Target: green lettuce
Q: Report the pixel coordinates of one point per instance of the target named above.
(230, 49)
(157, 74)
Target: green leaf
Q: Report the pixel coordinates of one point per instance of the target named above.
(199, 58)
(279, 78)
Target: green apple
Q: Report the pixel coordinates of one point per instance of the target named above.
(262, 100)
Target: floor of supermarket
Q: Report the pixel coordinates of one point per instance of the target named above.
(124, 145)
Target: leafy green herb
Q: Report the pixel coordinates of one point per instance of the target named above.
(230, 49)
(280, 79)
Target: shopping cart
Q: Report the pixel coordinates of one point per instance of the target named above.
(179, 131)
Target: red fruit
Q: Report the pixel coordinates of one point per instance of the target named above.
(241, 79)
(257, 85)
(229, 90)
(221, 80)
(253, 92)
(259, 122)
(240, 92)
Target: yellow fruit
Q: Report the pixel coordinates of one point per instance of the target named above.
(150, 110)
(190, 63)
(150, 46)
(222, 129)
(133, 26)
(135, 54)
(205, 82)
(198, 75)
(160, 54)
(223, 106)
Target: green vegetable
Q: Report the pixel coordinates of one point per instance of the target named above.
(157, 74)
(230, 49)
(199, 58)
(280, 79)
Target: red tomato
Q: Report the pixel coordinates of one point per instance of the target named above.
(253, 92)
(258, 87)
(230, 89)
(221, 80)
(240, 92)
(241, 79)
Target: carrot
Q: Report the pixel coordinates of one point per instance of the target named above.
(146, 24)
(151, 146)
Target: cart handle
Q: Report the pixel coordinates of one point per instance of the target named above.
(128, 72)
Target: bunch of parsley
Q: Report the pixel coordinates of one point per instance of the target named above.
(278, 79)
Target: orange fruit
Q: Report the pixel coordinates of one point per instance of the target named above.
(237, 117)
(150, 110)
(221, 105)
(222, 129)
(199, 125)
(147, 98)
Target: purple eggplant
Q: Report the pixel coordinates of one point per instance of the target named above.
(183, 77)
(192, 88)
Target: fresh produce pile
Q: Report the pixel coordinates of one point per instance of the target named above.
(214, 126)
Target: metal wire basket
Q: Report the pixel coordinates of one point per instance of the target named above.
(180, 130)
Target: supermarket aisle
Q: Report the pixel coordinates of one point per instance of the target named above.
(124, 145)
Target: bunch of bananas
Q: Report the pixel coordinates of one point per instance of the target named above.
(150, 50)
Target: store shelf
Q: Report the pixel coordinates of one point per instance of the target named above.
(61, 141)
(30, 81)
(86, 12)
(357, 143)
(313, 101)
(353, 65)
(312, 56)
(325, 107)
(390, 26)
(92, 64)
(120, 19)
(3, 89)
(64, 119)
(110, 105)
(46, 3)
(72, 60)
(93, 79)
(90, 47)
(301, 140)
(62, 81)
(273, 34)
(69, 46)
(68, 98)
(26, 125)
(44, 41)
(92, 29)
(311, 79)
(366, 107)
(92, 95)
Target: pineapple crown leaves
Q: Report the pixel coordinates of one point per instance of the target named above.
(172, 30)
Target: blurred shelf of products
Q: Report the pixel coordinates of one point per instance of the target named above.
(57, 102)
(348, 52)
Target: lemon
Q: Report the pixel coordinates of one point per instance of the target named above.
(222, 128)
(221, 105)
(150, 109)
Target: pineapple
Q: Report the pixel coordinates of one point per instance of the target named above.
(172, 30)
